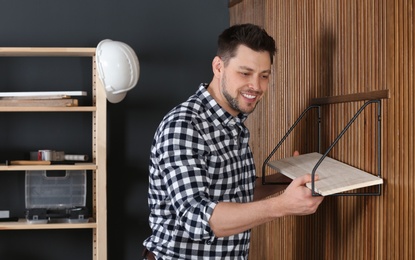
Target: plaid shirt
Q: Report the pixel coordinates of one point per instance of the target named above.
(199, 156)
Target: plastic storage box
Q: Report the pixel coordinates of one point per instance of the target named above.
(55, 191)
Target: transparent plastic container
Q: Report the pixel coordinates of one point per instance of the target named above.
(55, 189)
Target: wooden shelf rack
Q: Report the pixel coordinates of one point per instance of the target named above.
(98, 168)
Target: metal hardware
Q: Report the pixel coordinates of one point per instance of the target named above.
(264, 182)
(352, 120)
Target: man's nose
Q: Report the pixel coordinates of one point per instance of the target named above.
(255, 83)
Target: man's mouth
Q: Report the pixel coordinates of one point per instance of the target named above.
(249, 96)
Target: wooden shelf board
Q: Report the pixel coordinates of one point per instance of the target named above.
(49, 109)
(77, 166)
(47, 51)
(379, 94)
(23, 224)
(334, 176)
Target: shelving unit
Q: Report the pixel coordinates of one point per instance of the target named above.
(335, 177)
(98, 221)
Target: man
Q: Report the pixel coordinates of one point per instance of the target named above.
(202, 173)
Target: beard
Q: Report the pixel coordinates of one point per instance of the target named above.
(233, 101)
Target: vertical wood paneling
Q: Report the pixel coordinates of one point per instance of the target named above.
(328, 48)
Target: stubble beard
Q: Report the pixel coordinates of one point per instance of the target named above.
(233, 101)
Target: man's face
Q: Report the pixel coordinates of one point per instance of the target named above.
(245, 80)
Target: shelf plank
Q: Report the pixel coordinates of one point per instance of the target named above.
(334, 176)
(77, 166)
(23, 224)
(49, 109)
(47, 51)
(62, 102)
(232, 3)
(379, 94)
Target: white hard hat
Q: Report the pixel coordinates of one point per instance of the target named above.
(118, 68)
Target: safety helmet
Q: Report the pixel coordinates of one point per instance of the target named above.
(118, 68)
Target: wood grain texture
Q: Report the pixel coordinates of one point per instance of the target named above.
(339, 48)
(333, 176)
(372, 95)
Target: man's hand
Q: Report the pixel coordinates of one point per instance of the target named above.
(297, 199)
(263, 191)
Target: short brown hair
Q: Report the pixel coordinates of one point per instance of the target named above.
(250, 35)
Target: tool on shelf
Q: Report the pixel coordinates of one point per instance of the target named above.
(51, 155)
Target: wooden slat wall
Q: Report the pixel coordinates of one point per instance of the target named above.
(330, 48)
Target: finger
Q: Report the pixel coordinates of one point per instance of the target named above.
(302, 180)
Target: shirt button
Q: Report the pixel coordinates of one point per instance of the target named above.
(208, 242)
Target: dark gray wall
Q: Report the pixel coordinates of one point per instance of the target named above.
(175, 42)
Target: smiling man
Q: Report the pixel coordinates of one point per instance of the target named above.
(202, 174)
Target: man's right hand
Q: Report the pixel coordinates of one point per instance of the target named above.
(297, 199)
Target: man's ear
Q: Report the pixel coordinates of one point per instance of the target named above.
(217, 66)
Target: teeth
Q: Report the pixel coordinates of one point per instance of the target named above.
(249, 96)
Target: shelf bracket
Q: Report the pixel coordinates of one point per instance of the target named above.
(318, 105)
(264, 181)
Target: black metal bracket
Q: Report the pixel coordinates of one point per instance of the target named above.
(264, 181)
(313, 173)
